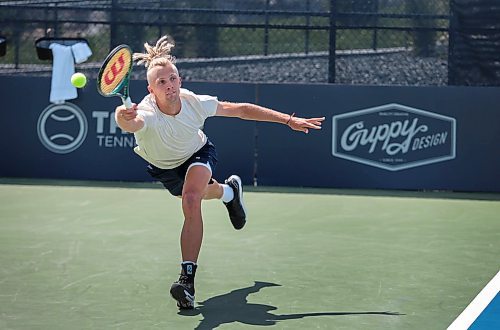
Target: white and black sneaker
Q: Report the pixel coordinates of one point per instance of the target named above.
(235, 207)
(182, 290)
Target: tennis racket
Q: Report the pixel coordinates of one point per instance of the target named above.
(114, 74)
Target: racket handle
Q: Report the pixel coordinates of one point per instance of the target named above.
(127, 102)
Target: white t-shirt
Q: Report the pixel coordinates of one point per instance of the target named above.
(168, 141)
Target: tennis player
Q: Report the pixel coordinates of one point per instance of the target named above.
(167, 127)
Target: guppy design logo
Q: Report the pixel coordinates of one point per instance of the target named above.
(394, 137)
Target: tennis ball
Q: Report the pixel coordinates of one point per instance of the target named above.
(78, 80)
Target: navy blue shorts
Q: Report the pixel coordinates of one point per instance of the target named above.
(173, 179)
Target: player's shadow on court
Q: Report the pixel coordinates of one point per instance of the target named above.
(234, 307)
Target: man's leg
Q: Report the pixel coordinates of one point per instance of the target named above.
(195, 184)
(214, 191)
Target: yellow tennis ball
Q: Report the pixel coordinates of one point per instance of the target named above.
(78, 80)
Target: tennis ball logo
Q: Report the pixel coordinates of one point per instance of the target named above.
(62, 128)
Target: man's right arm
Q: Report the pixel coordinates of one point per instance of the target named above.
(128, 119)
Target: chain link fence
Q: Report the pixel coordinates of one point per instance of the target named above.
(376, 42)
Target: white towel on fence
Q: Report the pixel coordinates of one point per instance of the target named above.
(81, 52)
(63, 67)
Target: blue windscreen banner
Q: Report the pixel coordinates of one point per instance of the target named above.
(373, 137)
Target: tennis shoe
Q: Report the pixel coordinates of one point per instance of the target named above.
(235, 207)
(182, 291)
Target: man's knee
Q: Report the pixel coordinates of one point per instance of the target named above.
(191, 200)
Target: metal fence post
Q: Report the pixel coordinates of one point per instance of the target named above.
(451, 44)
(17, 43)
(375, 31)
(266, 29)
(308, 24)
(112, 25)
(55, 23)
(333, 41)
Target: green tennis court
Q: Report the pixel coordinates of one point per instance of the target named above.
(88, 257)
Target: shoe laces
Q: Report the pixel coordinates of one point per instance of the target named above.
(184, 279)
(231, 183)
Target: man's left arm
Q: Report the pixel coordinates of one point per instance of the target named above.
(251, 111)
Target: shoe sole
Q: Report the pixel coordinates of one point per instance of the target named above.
(183, 298)
(240, 194)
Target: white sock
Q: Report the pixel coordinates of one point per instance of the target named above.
(188, 262)
(227, 193)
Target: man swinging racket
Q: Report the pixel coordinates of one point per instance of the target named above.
(167, 126)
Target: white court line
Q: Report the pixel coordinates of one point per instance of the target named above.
(470, 314)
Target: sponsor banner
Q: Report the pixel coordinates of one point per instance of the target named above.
(80, 139)
(381, 137)
(62, 128)
(394, 137)
(412, 138)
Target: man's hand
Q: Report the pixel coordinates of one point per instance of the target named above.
(304, 124)
(123, 113)
(128, 119)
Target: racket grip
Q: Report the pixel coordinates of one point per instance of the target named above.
(127, 102)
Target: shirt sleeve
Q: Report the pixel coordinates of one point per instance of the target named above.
(204, 105)
(147, 115)
(209, 104)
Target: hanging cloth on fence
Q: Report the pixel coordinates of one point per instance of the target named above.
(62, 69)
(81, 52)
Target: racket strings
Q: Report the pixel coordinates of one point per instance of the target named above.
(115, 71)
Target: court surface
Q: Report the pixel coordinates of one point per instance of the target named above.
(103, 257)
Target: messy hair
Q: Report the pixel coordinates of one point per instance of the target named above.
(158, 55)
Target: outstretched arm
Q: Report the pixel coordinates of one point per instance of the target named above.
(251, 111)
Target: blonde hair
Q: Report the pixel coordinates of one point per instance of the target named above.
(158, 55)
